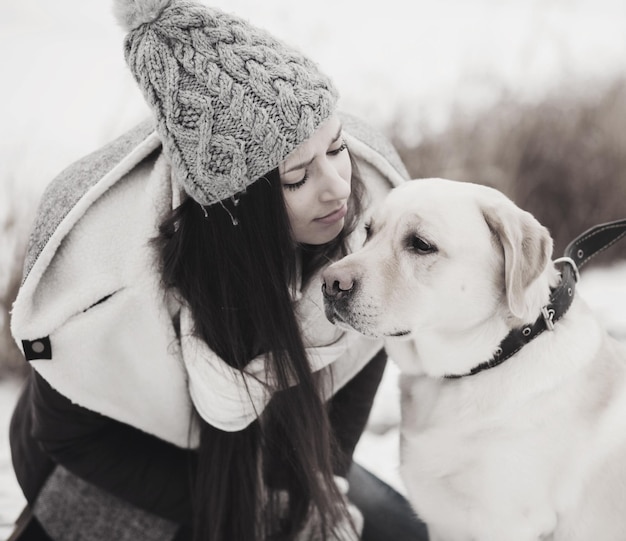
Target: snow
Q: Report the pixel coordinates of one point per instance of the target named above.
(66, 91)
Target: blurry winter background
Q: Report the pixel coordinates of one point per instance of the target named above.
(525, 95)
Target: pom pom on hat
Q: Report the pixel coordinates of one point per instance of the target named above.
(131, 14)
(231, 102)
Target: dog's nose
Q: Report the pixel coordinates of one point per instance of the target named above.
(336, 286)
(336, 291)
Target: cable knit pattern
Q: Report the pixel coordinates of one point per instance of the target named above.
(231, 102)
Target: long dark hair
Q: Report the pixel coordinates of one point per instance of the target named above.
(234, 265)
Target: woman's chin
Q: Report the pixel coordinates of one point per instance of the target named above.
(321, 235)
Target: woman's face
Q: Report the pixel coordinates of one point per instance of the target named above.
(316, 185)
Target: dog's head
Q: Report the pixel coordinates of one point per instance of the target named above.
(442, 256)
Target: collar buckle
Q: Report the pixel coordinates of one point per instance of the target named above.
(548, 317)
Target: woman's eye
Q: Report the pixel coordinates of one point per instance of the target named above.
(296, 185)
(337, 150)
(420, 246)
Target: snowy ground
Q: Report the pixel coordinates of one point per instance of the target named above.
(67, 90)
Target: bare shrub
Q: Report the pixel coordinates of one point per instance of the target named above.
(563, 159)
(17, 209)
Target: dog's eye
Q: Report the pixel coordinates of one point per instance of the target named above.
(420, 246)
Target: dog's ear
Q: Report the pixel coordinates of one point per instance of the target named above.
(527, 248)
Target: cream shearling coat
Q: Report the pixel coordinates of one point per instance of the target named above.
(94, 321)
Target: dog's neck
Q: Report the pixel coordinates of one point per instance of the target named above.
(458, 348)
(577, 254)
(549, 312)
(459, 353)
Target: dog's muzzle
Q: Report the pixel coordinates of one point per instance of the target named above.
(339, 298)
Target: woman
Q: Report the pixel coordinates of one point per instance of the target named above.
(186, 384)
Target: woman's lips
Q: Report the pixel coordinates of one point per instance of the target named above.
(334, 216)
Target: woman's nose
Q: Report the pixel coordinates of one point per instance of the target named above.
(335, 185)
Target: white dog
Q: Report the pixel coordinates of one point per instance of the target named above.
(524, 444)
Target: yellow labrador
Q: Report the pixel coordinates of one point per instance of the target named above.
(527, 448)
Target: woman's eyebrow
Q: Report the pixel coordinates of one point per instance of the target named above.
(303, 165)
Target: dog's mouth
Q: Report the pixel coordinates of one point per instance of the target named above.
(398, 334)
(335, 317)
(344, 321)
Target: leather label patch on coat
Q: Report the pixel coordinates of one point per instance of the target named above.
(37, 349)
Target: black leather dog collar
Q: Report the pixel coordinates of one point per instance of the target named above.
(577, 254)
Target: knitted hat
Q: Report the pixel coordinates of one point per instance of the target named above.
(230, 101)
